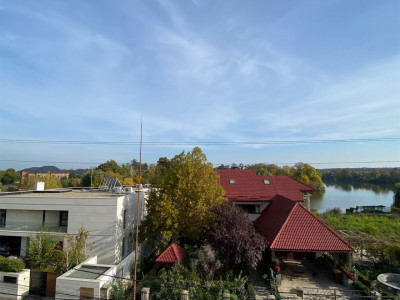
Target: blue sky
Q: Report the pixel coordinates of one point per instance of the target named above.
(200, 71)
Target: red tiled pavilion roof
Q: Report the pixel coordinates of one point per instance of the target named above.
(173, 254)
(288, 226)
(249, 186)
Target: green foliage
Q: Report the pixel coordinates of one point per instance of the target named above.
(358, 285)
(207, 263)
(302, 172)
(50, 182)
(378, 176)
(169, 284)
(181, 204)
(118, 291)
(75, 250)
(9, 176)
(44, 251)
(363, 279)
(41, 254)
(333, 211)
(8, 264)
(385, 227)
(396, 203)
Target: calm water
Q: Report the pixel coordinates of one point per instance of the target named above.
(347, 195)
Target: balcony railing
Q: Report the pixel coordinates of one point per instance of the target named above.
(33, 226)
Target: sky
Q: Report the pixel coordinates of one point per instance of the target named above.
(247, 81)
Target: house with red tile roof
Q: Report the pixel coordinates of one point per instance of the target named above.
(274, 203)
(254, 193)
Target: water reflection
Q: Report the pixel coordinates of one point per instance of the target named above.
(376, 188)
(346, 195)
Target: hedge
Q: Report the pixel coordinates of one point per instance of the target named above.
(11, 264)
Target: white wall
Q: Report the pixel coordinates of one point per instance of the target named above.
(253, 217)
(69, 288)
(15, 290)
(102, 217)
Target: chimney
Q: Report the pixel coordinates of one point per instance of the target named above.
(307, 199)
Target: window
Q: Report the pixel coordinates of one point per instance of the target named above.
(3, 213)
(63, 218)
(124, 218)
(251, 208)
(232, 181)
(266, 181)
(10, 279)
(123, 247)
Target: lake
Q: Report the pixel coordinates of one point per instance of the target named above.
(352, 195)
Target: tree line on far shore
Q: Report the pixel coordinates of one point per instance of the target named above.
(128, 174)
(375, 175)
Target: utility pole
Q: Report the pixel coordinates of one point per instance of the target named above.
(137, 214)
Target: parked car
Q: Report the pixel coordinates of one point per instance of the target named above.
(5, 250)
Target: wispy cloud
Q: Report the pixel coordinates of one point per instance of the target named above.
(346, 107)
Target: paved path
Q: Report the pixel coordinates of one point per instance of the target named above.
(260, 288)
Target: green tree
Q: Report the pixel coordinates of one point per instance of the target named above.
(110, 165)
(181, 204)
(50, 182)
(92, 176)
(41, 252)
(118, 291)
(46, 253)
(307, 174)
(75, 250)
(9, 176)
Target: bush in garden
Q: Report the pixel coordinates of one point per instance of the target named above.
(234, 237)
(11, 264)
(117, 291)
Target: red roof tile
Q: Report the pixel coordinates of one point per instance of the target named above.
(250, 187)
(174, 253)
(288, 226)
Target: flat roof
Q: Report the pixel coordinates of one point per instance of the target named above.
(62, 194)
(88, 272)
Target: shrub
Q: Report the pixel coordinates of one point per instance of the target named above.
(358, 285)
(117, 291)
(364, 279)
(334, 211)
(11, 264)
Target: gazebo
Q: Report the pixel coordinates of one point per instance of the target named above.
(173, 254)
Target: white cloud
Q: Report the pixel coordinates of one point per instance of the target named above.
(361, 104)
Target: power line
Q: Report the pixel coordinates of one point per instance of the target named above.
(214, 164)
(194, 143)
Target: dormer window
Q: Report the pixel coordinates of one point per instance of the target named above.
(266, 181)
(232, 181)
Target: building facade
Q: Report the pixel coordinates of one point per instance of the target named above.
(109, 218)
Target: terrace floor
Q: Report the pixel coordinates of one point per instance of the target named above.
(310, 277)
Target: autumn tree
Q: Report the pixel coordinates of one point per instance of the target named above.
(307, 174)
(180, 204)
(50, 182)
(233, 235)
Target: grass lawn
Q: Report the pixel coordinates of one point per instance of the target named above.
(385, 227)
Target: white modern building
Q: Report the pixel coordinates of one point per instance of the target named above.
(108, 217)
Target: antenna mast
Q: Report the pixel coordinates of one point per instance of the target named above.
(137, 214)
